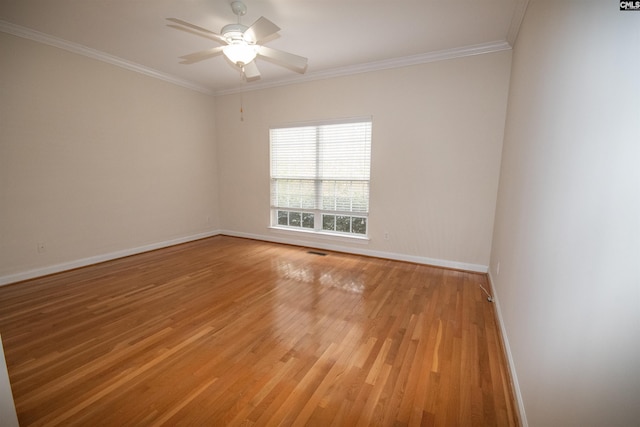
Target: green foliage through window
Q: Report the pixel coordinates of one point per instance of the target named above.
(344, 224)
(296, 219)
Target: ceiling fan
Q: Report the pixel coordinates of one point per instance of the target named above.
(241, 44)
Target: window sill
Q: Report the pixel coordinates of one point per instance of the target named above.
(322, 235)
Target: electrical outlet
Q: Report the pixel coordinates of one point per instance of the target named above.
(41, 247)
(386, 235)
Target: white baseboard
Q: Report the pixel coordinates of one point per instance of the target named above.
(295, 240)
(507, 349)
(286, 239)
(57, 268)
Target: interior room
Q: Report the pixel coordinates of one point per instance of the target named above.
(504, 152)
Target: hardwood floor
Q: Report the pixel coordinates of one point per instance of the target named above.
(228, 331)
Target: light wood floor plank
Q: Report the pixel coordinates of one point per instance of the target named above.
(228, 331)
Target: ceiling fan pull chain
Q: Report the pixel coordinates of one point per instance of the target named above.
(242, 80)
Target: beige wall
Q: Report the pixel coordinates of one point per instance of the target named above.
(96, 160)
(567, 230)
(436, 144)
(99, 161)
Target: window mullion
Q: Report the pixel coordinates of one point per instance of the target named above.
(318, 186)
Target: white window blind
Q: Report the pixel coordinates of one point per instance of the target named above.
(320, 176)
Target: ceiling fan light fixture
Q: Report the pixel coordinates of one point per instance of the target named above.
(240, 53)
(241, 44)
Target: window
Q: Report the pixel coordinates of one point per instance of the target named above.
(320, 177)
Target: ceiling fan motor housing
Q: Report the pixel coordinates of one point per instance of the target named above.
(235, 33)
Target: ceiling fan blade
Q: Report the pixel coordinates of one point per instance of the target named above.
(188, 30)
(201, 56)
(251, 71)
(289, 60)
(194, 29)
(260, 29)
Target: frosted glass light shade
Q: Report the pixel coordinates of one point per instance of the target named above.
(240, 53)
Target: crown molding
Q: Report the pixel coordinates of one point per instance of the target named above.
(516, 21)
(27, 33)
(386, 64)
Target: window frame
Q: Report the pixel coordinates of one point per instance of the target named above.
(359, 218)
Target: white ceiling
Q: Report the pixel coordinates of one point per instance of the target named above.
(338, 37)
